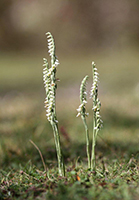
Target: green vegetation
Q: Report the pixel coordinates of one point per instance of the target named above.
(116, 180)
(22, 118)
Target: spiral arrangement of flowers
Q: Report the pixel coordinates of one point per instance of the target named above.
(97, 121)
(49, 78)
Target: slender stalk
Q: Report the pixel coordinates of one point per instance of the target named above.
(87, 141)
(93, 159)
(61, 166)
(82, 111)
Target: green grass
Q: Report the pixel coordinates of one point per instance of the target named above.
(114, 180)
(22, 117)
(22, 174)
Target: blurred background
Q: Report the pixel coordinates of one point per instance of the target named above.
(106, 32)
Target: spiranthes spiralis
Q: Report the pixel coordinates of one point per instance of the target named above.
(49, 78)
(97, 121)
(82, 112)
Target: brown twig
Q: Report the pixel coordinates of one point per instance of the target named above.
(40, 154)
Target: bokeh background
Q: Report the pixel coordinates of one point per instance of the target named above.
(106, 32)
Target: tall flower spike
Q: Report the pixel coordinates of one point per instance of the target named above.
(94, 87)
(94, 96)
(97, 122)
(51, 44)
(51, 51)
(49, 78)
(82, 111)
(83, 98)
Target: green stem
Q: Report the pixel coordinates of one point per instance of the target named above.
(61, 166)
(93, 159)
(87, 141)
